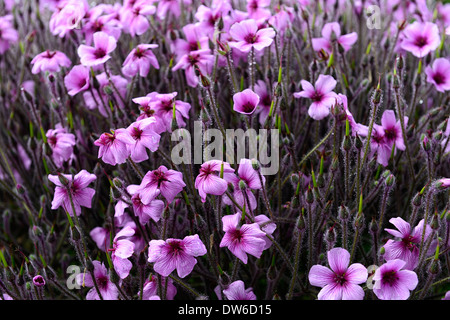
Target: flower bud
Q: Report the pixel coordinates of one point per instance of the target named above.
(39, 281)
(242, 185)
(255, 164)
(64, 181)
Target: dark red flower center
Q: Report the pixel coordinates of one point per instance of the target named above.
(250, 38)
(176, 247)
(317, 96)
(136, 133)
(421, 41)
(439, 78)
(237, 235)
(340, 278)
(408, 242)
(99, 53)
(248, 107)
(390, 134)
(390, 277)
(102, 282)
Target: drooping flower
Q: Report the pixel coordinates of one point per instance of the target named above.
(50, 61)
(139, 61)
(175, 254)
(121, 250)
(340, 281)
(61, 143)
(242, 239)
(151, 288)
(114, 146)
(420, 38)
(145, 137)
(392, 282)
(76, 189)
(208, 180)
(151, 210)
(322, 95)
(104, 44)
(201, 59)
(108, 290)
(77, 79)
(407, 246)
(332, 31)
(245, 102)
(168, 182)
(236, 291)
(439, 74)
(246, 36)
(8, 35)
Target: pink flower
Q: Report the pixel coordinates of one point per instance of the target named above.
(195, 40)
(175, 254)
(242, 239)
(168, 182)
(79, 192)
(406, 247)
(330, 31)
(245, 102)
(340, 281)
(139, 61)
(77, 80)
(265, 100)
(208, 180)
(250, 178)
(379, 145)
(8, 35)
(247, 36)
(322, 95)
(97, 22)
(101, 237)
(134, 17)
(173, 6)
(236, 291)
(50, 61)
(393, 129)
(152, 210)
(145, 137)
(104, 44)
(108, 290)
(420, 38)
(67, 16)
(151, 288)
(114, 147)
(393, 283)
(61, 143)
(163, 104)
(209, 15)
(121, 250)
(257, 9)
(201, 59)
(439, 74)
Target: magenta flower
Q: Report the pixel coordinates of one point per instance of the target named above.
(114, 147)
(143, 132)
(101, 237)
(97, 22)
(8, 35)
(242, 239)
(265, 100)
(379, 145)
(267, 226)
(420, 38)
(108, 290)
(121, 250)
(134, 17)
(168, 182)
(439, 74)
(163, 104)
(104, 44)
(236, 291)
(139, 61)
(209, 15)
(146, 107)
(245, 102)
(67, 16)
(257, 9)
(208, 180)
(61, 143)
(151, 288)
(340, 281)
(195, 40)
(393, 283)
(201, 59)
(175, 254)
(322, 95)
(39, 281)
(393, 129)
(50, 61)
(330, 31)
(152, 210)
(247, 36)
(79, 192)
(406, 247)
(173, 6)
(77, 80)
(250, 178)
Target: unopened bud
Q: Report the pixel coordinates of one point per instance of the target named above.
(39, 281)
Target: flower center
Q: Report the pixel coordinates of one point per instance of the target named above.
(317, 96)
(248, 107)
(99, 53)
(102, 282)
(136, 133)
(250, 38)
(340, 278)
(390, 277)
(237, 235)
(439, 78)
(176, 247)
(421, 42)
(390, 134)
(408, 242)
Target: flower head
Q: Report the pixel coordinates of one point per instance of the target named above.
(108, 290)
(340, 281)
(114, 147)
(245, 102)
(236, 291)
(143, 132)
(121, 250)
(321, 94)
(76, 190)
(246, 36)
(208, 180)
(420, 38)
(61, 143)
(392, 282)
(162, 180)
(50, 61)
(104, 44)
(332, 31)
(77, 80)
(175, 254)
(139, 61)
(439, 74)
